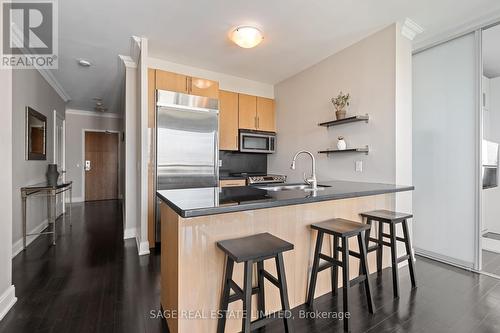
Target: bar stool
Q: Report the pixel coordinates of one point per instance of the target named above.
(341, 229)
(250, 250)
(392, 219)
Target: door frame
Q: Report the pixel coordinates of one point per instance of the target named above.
(63, 157)
(85, 130)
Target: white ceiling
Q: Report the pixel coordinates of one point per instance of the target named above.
(491, 52)
(297, 35)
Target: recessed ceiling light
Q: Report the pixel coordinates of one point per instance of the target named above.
(84, 63)
(247, 37)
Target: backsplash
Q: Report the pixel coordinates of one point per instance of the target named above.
(236, 162)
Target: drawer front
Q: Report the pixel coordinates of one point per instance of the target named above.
(232, 182)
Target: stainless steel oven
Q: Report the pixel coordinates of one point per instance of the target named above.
(257, 142)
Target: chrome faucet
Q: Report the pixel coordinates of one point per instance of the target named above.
(312, 180)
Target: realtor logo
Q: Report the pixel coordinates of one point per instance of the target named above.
(29, 34)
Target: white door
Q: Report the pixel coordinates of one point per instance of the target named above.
(445, 149)
(59, 159)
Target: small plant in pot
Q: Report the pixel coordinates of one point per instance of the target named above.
(340, 103)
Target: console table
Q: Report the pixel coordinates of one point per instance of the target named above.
(50, 191)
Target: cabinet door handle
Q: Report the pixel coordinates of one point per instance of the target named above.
(255, 121)
(258, 122)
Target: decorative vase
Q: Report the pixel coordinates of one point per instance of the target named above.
(341, 144)
(52, 175)
(340, 114)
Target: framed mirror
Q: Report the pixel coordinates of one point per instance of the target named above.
(36, 135)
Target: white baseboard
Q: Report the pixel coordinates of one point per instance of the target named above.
(445, 259)
(129, 233)
(492, 245)
(18, 245)
(142, 247)
(7, 300)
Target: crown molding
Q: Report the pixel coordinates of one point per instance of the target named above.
(93, 114)
(52, 81)
(128, 61)
(410, 29)
(482, 22)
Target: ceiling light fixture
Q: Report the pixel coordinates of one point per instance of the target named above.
(84, 63)
(247, 37)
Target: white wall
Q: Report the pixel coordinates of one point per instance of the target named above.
(76, 122)
(491, 197)
(226, 82)
(7, 291)
(366, 70)
(143, 146)
(131, 201)
(30, 89)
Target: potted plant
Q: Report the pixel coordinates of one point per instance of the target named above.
(340, 103)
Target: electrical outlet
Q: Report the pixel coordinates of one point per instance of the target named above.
(359, 166)
(220, 163)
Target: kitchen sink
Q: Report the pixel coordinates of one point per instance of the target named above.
(276, 188)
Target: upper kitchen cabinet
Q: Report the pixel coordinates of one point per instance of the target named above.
(256, 113)
(247, 111)
(172, 82)
(265, 115)
(203, 87)
(186, 84)
(228, 120)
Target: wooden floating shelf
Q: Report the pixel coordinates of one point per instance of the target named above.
(345, 121)
(350, 150)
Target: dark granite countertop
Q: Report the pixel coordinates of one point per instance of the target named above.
(214, 200)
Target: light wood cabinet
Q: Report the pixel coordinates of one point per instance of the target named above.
(256, 113)
(203, 87)
(171, 81)
(228, 120)
(265, 115)
(232, 182)
(247, 111)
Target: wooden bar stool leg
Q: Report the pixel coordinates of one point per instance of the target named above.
(261, 296)
(345, 281)
(285, 305)
(410, 253)
(221, 324)
(314, 273)
(247, 297)
(394, 260)
(367, 241)
(335, 268)
(380, 249)
(363, 263)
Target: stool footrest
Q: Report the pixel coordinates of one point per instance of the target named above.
(357, 280)
(271, 278)
(403, 258)
(238, 292)
(372, 248)
(401, 239)
(331, 261)
(261, 322)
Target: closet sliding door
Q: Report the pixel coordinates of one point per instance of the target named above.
(446, 133)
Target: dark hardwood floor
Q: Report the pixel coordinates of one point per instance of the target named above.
(491, 262)
(93, 281)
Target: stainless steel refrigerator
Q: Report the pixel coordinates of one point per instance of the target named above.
(187, 149)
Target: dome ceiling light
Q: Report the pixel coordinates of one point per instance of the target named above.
(247, 37)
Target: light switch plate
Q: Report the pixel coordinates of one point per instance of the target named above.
(359, 166)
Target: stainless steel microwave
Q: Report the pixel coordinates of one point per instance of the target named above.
(257, 142)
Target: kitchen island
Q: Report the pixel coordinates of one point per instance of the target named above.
(193, 220)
